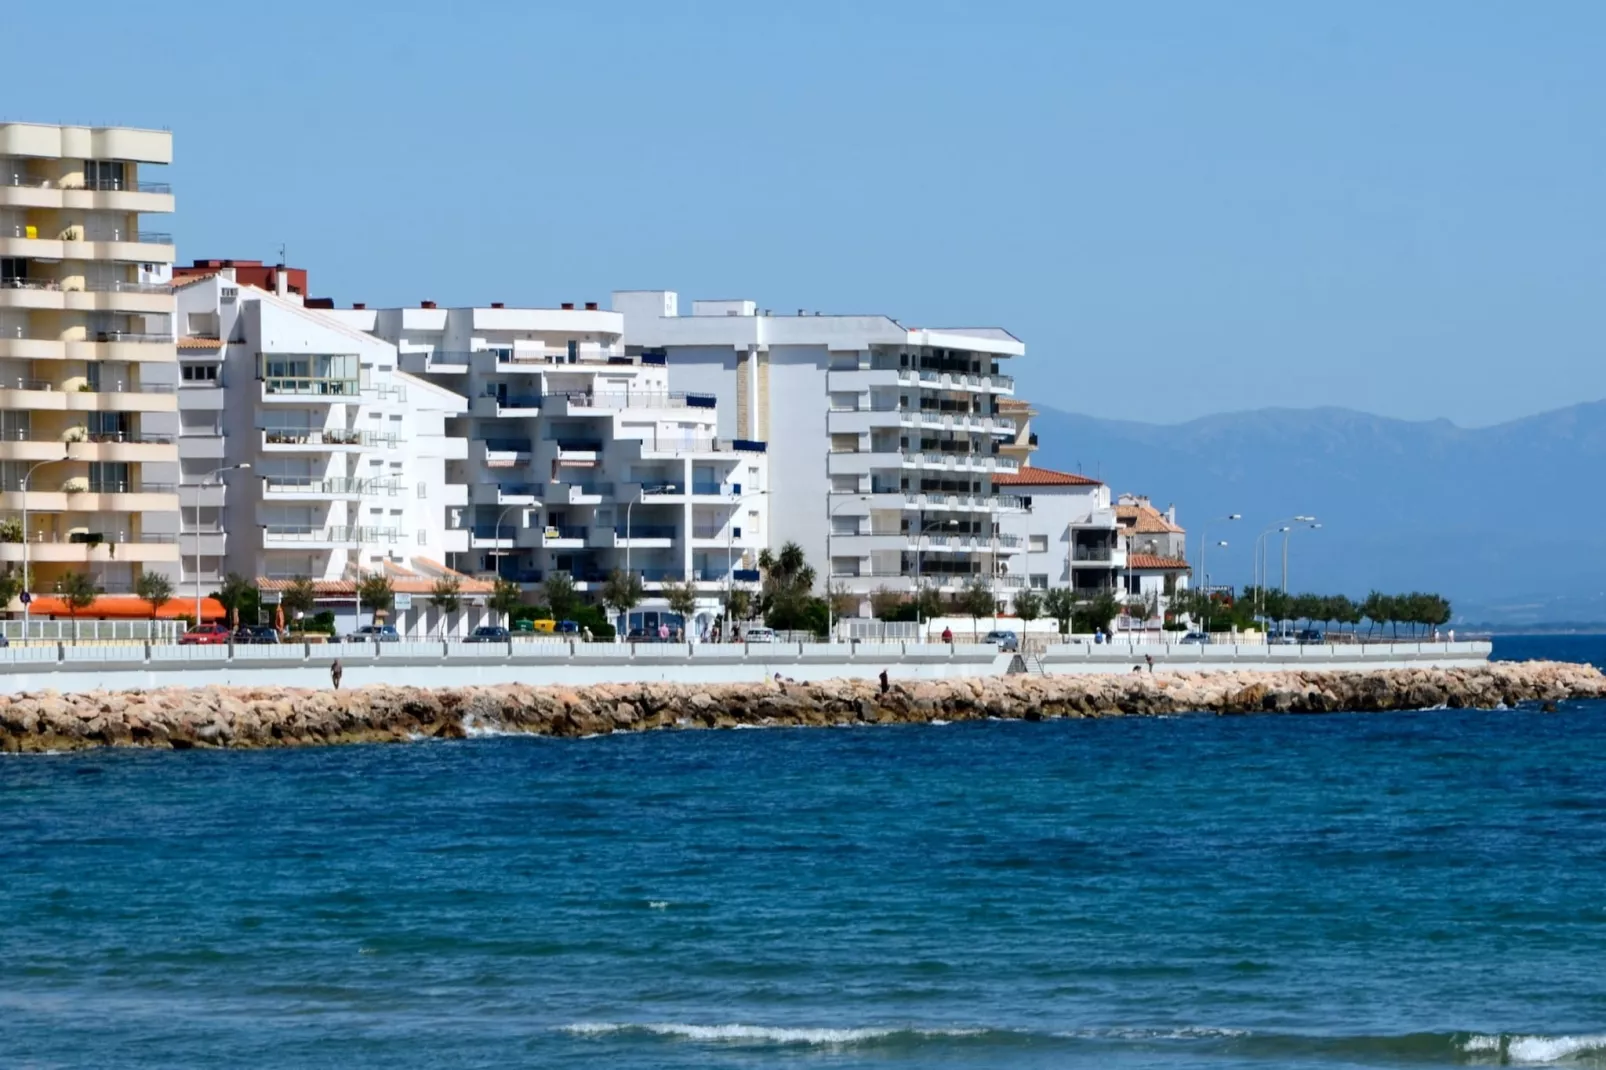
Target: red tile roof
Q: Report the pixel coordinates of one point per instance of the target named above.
(1145, 520)
(200, 343)
(1042, 477)
(1150, 561)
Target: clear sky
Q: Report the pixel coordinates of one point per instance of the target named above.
(1183, 208)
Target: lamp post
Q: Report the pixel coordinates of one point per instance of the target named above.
(646, 488)
(918, 539)
(26, 578)
(1205, 589)
(830, 598)
(496, 554)
(1287, 532)
(1260, 564)
(214, 472)
(1199, 571)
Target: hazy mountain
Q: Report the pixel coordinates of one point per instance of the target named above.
(1509, 521)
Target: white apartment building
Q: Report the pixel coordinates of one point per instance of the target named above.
(582, 459)
(1069, 530)
(884, 440)
(348, 454)
(88, 415)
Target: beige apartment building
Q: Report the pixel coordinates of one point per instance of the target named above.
(88, 367)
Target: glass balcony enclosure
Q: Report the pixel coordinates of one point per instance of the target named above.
(299, 373)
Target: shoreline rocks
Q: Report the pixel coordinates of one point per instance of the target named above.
(253, 717)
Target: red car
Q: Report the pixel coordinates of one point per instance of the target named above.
(205, 635)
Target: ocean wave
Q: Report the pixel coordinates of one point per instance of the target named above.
(476, 727)
(1442, 1049)
(764, 1034)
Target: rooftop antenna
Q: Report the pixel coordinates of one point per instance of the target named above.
(283, 260)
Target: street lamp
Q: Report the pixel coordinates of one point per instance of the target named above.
(1260, 562)
(214, 472)
(1287, 532)
(26, 578)
(918, 539)
(646, 489)
(1203, 527)
(830, 598)
(496, 553)
(1205, 588)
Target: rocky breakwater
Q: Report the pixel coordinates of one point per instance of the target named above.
(184, 718)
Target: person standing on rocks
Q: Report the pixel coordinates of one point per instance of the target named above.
(885, 684)
(1150, 659)
(335, 673)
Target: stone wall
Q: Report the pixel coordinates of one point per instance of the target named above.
(268, 716)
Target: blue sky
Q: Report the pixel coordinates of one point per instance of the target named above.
(1183, 208)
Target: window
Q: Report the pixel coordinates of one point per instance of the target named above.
(1037, 544)
(423, 537)
(200, 373)
(423, 490)
(1039, 581)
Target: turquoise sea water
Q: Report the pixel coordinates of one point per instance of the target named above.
(1413, 890)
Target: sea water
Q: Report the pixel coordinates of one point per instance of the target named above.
(1405, 890)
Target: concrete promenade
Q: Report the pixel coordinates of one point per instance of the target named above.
(68, 668)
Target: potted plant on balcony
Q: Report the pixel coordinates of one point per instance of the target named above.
(75, 485)
(75, 433)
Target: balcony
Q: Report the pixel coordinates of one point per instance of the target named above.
(302, 389)
(582, 493)
(502, 536)
(322, 489)
(323, 440)
(636, 532)
(130, 447)
(518, 493)
(85, 548)
(314, 536)
(96, 496)
(505, 452)
(564, 536)
(29, 191)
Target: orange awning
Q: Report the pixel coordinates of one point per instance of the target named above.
(127, 607)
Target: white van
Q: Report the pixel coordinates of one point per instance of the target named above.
(759, 635)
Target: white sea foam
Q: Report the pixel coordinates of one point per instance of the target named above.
(1535, 1050)
(475, 728)
(657, 904)
(758, 1034)
(1186, 1032)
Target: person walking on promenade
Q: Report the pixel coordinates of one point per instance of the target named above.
(947, 635)
(335, 673)
(1150, 659)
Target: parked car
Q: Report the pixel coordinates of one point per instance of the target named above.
(1196, 637)
(205, 635)
(256, 635)
(374, 633)
(642, 635)
(488, 633)
(1006, 641)
(759, 635)
(1310, 637)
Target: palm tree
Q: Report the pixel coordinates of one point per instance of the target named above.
(299, 599)
(375, 592)
(235, 594)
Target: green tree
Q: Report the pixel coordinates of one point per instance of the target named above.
(375, 592)
(738, 604)
(1096, 613)
(928, 602)
(11, 529)
(11, 585)
(788, 588)
(1060, 604)
(301, 597)
(887, 604)
(447, 598)
(1028, 605)
(622, 592)
(154, 589)
(236, 596)
(78, 590)
(559, 592)
(506, 596)
(976, 601)
(682, 599)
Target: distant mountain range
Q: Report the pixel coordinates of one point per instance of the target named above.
(1508, 521)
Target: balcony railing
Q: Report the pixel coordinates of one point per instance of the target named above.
(517, 401)
(596, 490)
(275, 485)
(133, 336)
(707, 488)
(645, 531)
(302, 385)
(565, 531)
(578, 445)
(312, 533)
(495, 531)
(507, 445)
(518, 490)
(1093, 553)
(29, 384)
(324, 437)
(130, 486)
(117, 286)
(154, 237)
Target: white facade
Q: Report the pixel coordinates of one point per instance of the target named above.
(87, 361)
(581, 459)
(1069, 532)
(348, 454)
(883, 440)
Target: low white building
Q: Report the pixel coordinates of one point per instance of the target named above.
(582, 459)
(884, 440)
(1069, 529)
(1156, 559)
(307, 451)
